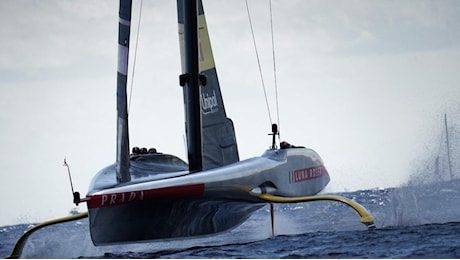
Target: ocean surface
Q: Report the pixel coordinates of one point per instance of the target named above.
(414, 221)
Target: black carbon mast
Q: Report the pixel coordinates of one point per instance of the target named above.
(124, 28)
(191, 85)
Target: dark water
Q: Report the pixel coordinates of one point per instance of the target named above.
(412, 222)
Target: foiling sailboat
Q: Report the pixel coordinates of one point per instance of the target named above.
(150, 196)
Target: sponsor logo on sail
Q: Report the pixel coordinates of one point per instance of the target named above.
(209, 103)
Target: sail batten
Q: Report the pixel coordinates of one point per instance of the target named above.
(122, 160)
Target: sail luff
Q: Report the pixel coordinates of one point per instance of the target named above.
(192, 86)
(122, 160)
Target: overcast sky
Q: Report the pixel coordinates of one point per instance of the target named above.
(364, 83)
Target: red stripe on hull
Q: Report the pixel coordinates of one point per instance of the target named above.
(122, 198)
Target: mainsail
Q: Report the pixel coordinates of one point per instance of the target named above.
(218, 135)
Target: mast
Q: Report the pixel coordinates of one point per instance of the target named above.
(191, 87)
(448, 146)
(124, 27)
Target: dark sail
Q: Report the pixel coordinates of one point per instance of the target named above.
(218, 135)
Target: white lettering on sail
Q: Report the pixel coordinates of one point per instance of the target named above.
(209, 103)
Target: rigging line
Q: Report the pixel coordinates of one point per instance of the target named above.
(274, 72)
(135, 56)
(258, 61)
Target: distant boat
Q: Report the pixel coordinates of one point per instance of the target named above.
(448, 151)
(147, 195)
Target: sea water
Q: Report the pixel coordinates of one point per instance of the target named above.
(417, 221)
